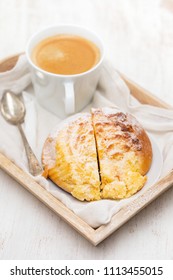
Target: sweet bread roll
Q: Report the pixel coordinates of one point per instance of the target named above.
(70, 160)
(124, 152)
(105, 154)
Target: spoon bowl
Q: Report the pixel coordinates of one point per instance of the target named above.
(12, 108)
(13, 111)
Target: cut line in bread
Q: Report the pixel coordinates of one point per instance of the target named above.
(102, 155)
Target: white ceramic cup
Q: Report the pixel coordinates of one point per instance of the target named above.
(64, 95)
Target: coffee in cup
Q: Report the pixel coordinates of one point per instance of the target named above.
(65, 54)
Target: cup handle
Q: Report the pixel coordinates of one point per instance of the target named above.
(69, 98)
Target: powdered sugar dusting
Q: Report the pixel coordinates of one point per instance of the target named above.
(65, 123)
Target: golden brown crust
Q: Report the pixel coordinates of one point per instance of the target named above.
(107, 138)
(70, 157)
(142, 143)
(124, 152)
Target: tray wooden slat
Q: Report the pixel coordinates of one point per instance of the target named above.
(47, 198)
(144, 96)
(95, 236)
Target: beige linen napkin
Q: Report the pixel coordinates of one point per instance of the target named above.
(111, 91)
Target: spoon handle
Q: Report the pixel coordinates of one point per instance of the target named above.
(34, 166)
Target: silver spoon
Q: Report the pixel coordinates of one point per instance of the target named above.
(13, 111)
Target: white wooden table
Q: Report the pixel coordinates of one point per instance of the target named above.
(138, 36)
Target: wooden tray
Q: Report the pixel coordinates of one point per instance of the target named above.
(95, 236)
